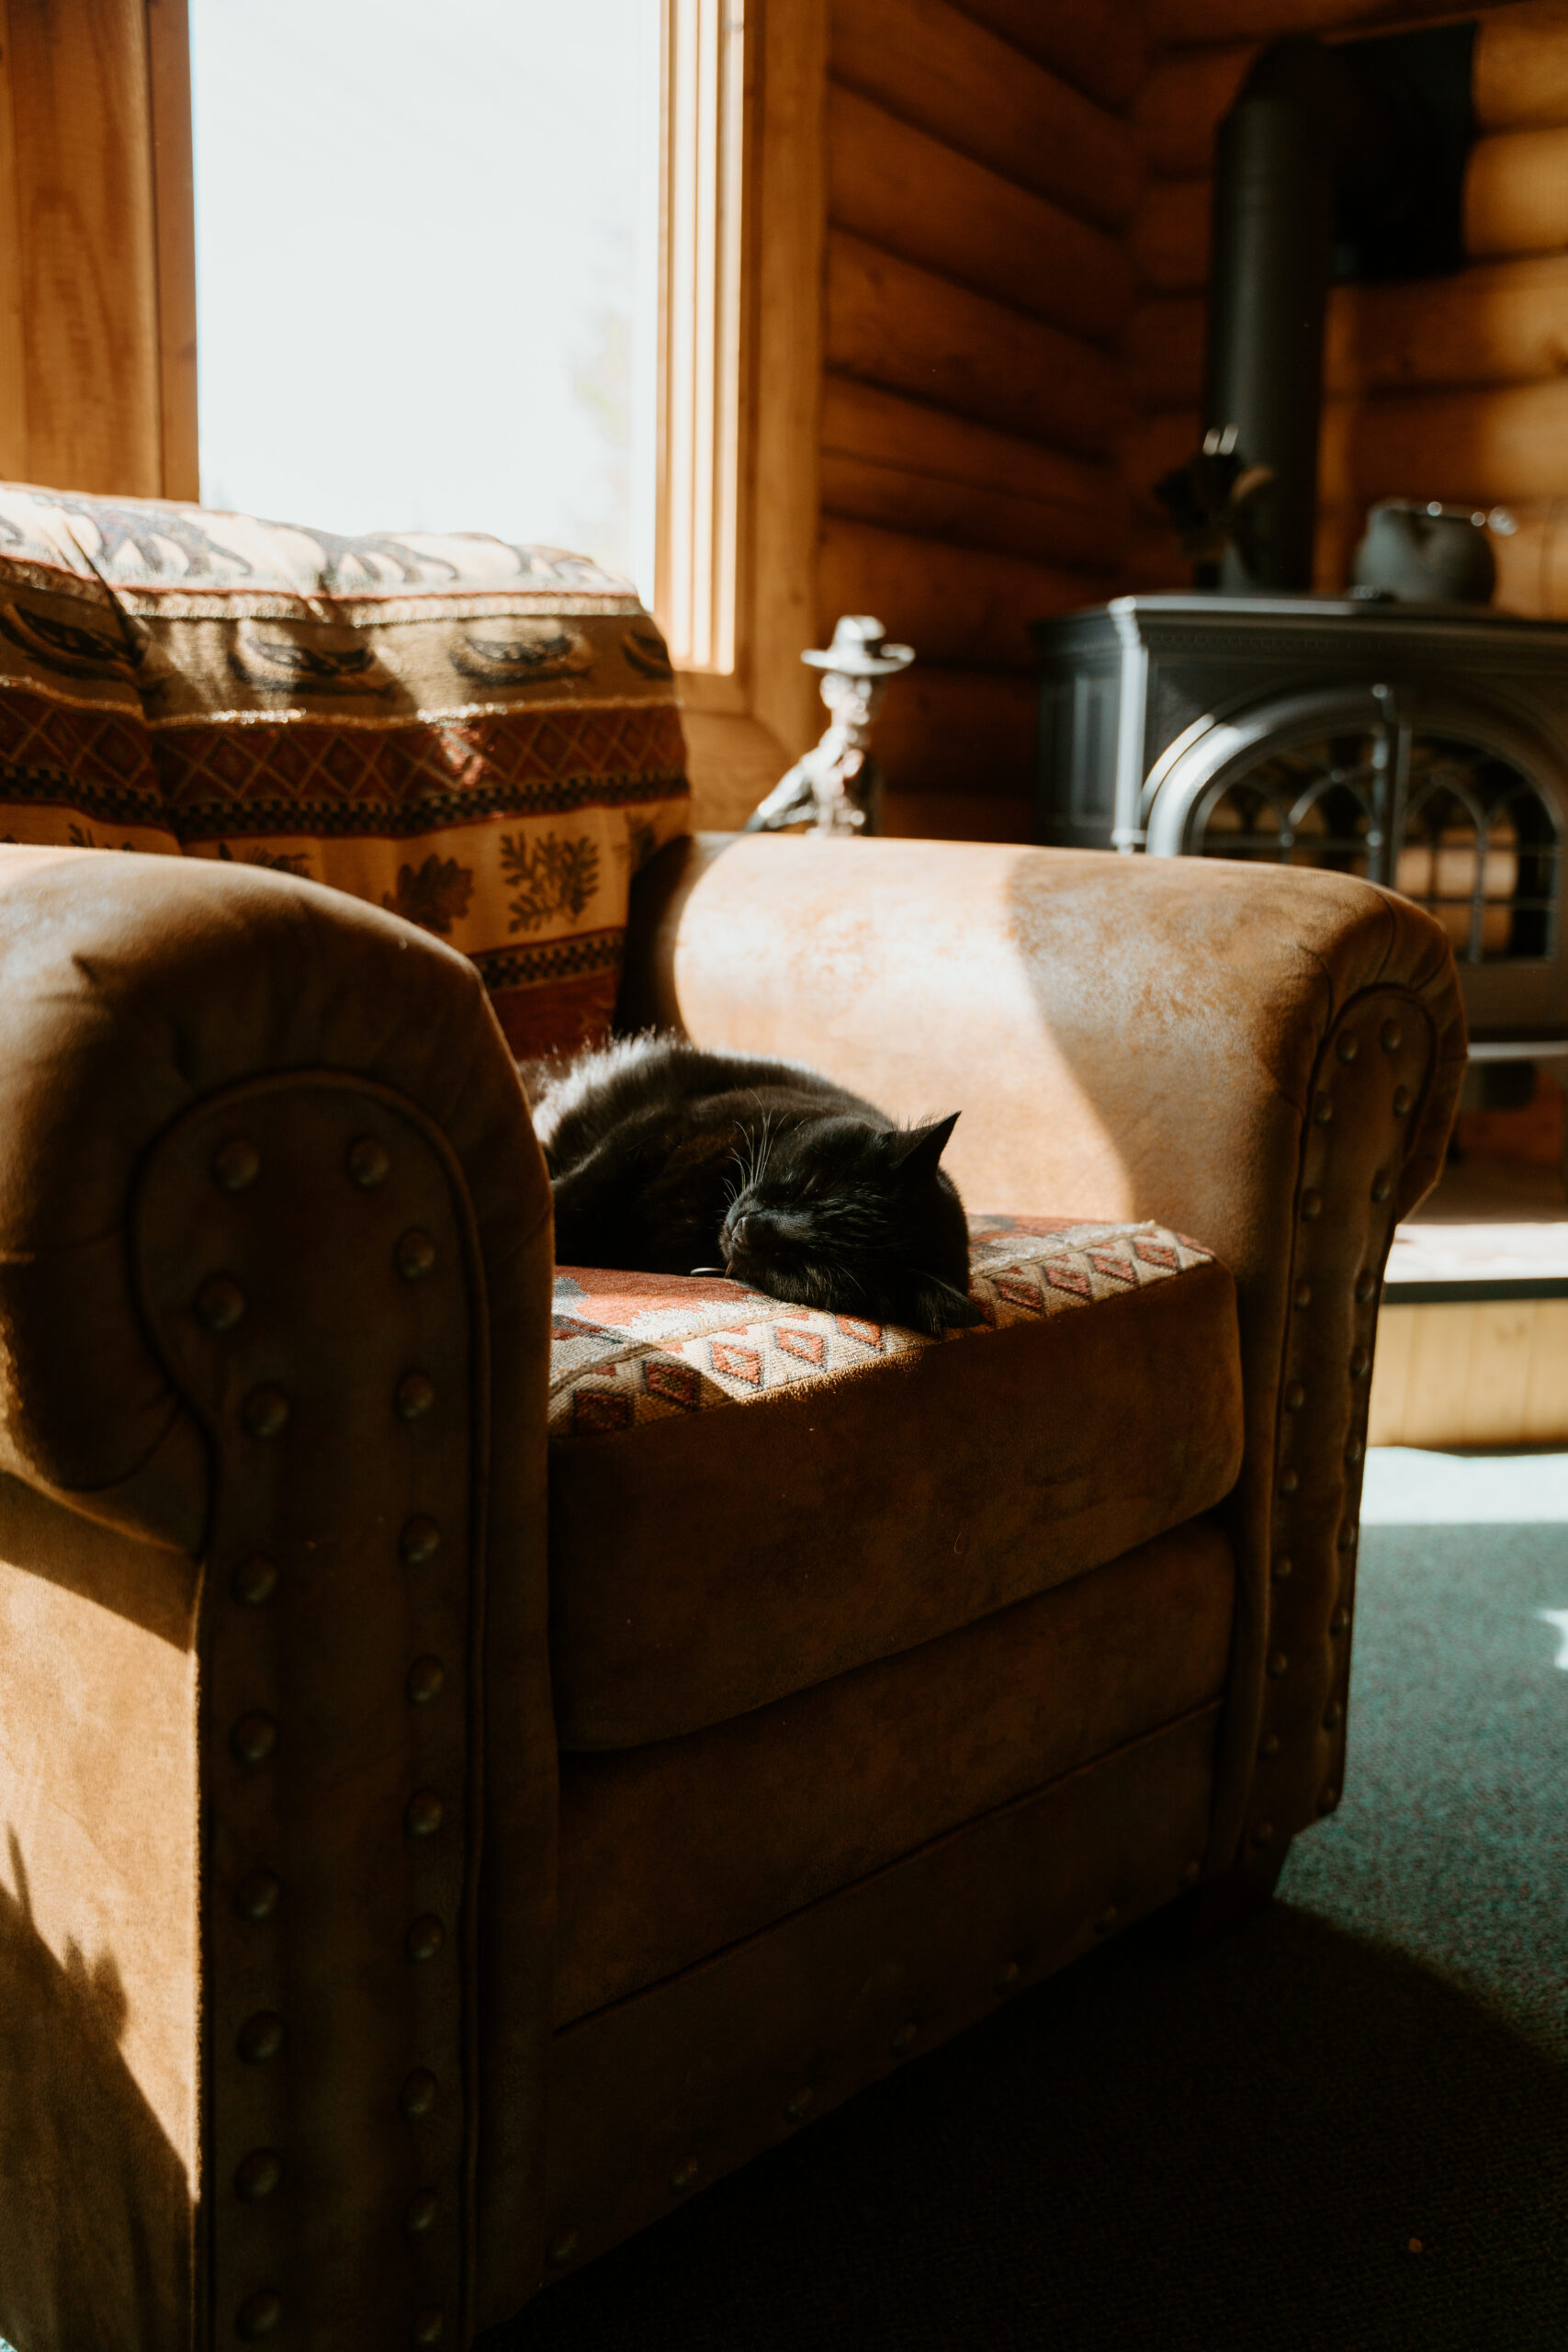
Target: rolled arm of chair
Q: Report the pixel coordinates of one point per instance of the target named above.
(274, 1257)
(1266, 1059)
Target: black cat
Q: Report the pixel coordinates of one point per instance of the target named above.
(678, 1161)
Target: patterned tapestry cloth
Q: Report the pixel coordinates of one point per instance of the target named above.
(630, 1347)
(483, 737)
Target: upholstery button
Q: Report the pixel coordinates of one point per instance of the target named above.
(1312, 1205)
(1340, 1621)
(429, 2327)
(798, 2106)
(1382, 1187)
(1366, 1284)
(260, 2037)
(1289, 1482)
(1303, 1293)
(1391, 1036)
(685, 2176)
(1347, 1047)
(427, 1675)
(235, 1164)
(1269, 1743)
(562, 2249)
(1333, 1715)
(1282, 1568)
(253, 1582)
(416, 1255)
(1360, 1363)
(258, 2316)
(426, 1937)
(264, 1412)
(905, 2039)
(416, 1393)
(369, 1161)
(422, 1817)
(219, 1303)
(1323, 1111)
(254, 1737)
(1106, 1920)
(259, 2174)
(1295, 1396)
(1328, 1800)
(258, 1894)
(417, 2097)
(1277, 1664)
(1401, 1101)
(423, 2209)
(419, 1540)
(1007, 1977)
(1190, 1873)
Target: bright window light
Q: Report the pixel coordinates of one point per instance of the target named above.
(427, 267)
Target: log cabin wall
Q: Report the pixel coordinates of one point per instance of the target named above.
(1451, 388)
(982, 176)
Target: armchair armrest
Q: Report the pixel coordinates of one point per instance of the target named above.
(275, 1254)
(1264, 1058)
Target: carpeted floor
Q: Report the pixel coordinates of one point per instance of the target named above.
(1161, 2154)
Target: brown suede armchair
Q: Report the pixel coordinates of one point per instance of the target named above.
(433, 1850)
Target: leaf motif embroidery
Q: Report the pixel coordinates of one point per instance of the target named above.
(553, 876)
(435, 897)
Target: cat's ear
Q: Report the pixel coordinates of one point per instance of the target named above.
(917, 1149)
(936, 1306)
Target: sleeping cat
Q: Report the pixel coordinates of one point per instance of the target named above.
(678, 1161)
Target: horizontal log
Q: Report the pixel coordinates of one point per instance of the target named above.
(861, 421)
(944, 730)
(1099, 46)
(891, 324)
(1516, 192)
(1153, 564)
(1532, 561)
(861, 491)
(1496, 322)
(1521, 74)
(958, 817)
(1338, 530)
(917, 198)
(950, 76)
(1470, 448)
(952, 605)
(1196, 20)
(1185, 97)
(1170, 235)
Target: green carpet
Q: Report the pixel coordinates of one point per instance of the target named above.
(1232, 2150)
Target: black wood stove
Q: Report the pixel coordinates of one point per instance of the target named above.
(1423, 746)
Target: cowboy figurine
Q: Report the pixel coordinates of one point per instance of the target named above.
(837, 787)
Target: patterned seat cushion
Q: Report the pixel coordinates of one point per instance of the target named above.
(879, 1487)
(482, 738)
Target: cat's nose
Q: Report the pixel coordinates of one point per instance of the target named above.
(739, 1230)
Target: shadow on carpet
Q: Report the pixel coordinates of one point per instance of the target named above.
(1231, 2150)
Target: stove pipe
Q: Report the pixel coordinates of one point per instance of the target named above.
(1273, 239)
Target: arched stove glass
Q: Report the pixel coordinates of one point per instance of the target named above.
(1476, 843)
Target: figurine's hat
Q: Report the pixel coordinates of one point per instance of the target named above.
(860, 649)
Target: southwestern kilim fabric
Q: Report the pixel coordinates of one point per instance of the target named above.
(630, 1347)
(482, 738)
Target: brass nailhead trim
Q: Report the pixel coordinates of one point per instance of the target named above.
(235, 1164)
(260, 2038)
(369, 1161)
(414, 1255)
(1282, 1568)
(1360, 1363)
(1323, 1111)
(1312, 1205)
(426, 1937)
(1347, 1047)
(1346, 1539)
(1354, 1449)
(427, 1675)
(258, 2316)
(1264, 1834)
(423, 2209)
(1295, 1396)
(1328, 1800)
(220, 1303)
(1269, 1743)
(1007, 1977)
(685, 2176)
(1340, 1621)
(904, 2040)
(1278, 1664)
(416, 1393)
(1401, 1101)
(1366, 1287)
(1333, 1715)
(1391, 1036)
(417, 2097)
(423, 1814)
(562, 2249)
(429, 2327)
(1382, 1187)
(253, 1582)
(264, 1412)
(1289, 1482)
(800, 2104)
(258, 1894)
(259, 2174)
(1106, 1920)
(254, 1737)
(1304, 1295)
(1190, 1873)
(420, 1542)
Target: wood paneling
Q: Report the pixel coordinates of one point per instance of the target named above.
(1170, 235)
(14, 443)
(1468, 448)
(1199, 20)
(860, 419)
(917, 198)
(1099, 46)
(958, 817)
(948, 76)
(958, 731)
(1188, 93)
(174, 201)
(1492, 1373)
(1521, 66)
(862, 490)
(954, 604)
(1516, 192)
(891, 324)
